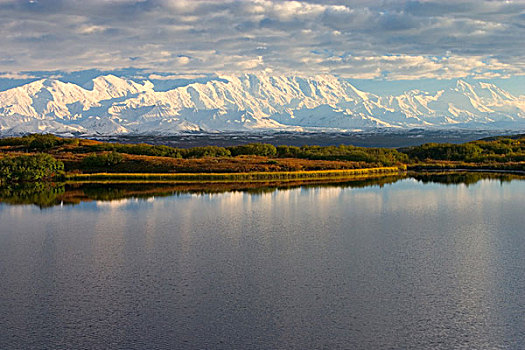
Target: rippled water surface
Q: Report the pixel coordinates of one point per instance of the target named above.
(403, 265)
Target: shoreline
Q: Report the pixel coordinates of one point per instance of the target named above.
(283, 176)
(470, 170)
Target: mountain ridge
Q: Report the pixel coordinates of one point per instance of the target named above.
(248, 102)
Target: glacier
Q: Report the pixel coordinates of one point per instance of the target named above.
(112, 105)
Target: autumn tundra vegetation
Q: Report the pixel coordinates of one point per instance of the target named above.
(40, 157)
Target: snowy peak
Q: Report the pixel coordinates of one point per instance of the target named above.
(258, 101)
(484, 92)
(112, 87)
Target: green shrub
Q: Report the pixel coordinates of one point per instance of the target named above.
(15, 141)
(288, 151)
(381, 156)
(207, 151)
(254, 149)
(39, 167)
(42, 142)
(141, 149)
(102, 160)
(37, 141)
(445, 151)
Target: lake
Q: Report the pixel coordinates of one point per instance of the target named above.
(431, 262)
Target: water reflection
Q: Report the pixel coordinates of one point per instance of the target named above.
(46, 195)
(463, 177)
(391, 264)
(50, 194)
(41, 194)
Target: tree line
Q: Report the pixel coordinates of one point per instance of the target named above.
(500, 150)
(42, 166)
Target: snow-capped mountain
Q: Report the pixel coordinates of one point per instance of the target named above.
(110, 105)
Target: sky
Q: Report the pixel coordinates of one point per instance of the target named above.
(380, 44)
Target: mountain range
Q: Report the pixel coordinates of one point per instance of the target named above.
(112, 105)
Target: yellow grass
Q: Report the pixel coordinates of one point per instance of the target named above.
(247, 176)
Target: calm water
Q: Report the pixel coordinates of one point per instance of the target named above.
(405, 265)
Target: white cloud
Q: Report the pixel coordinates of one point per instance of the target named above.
(90, 29)
(16, 76)
(183, 60)
(154, 76)
(405, 67)
(391, 39)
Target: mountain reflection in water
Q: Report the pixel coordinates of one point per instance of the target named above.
(46, 195)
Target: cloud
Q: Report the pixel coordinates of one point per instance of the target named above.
(386, 39)
(90, 29)
(16, 76)
(406, 67)
(155, 76)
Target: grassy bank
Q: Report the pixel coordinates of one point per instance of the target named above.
(245, 176)
(35, 157)
(514, 167)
